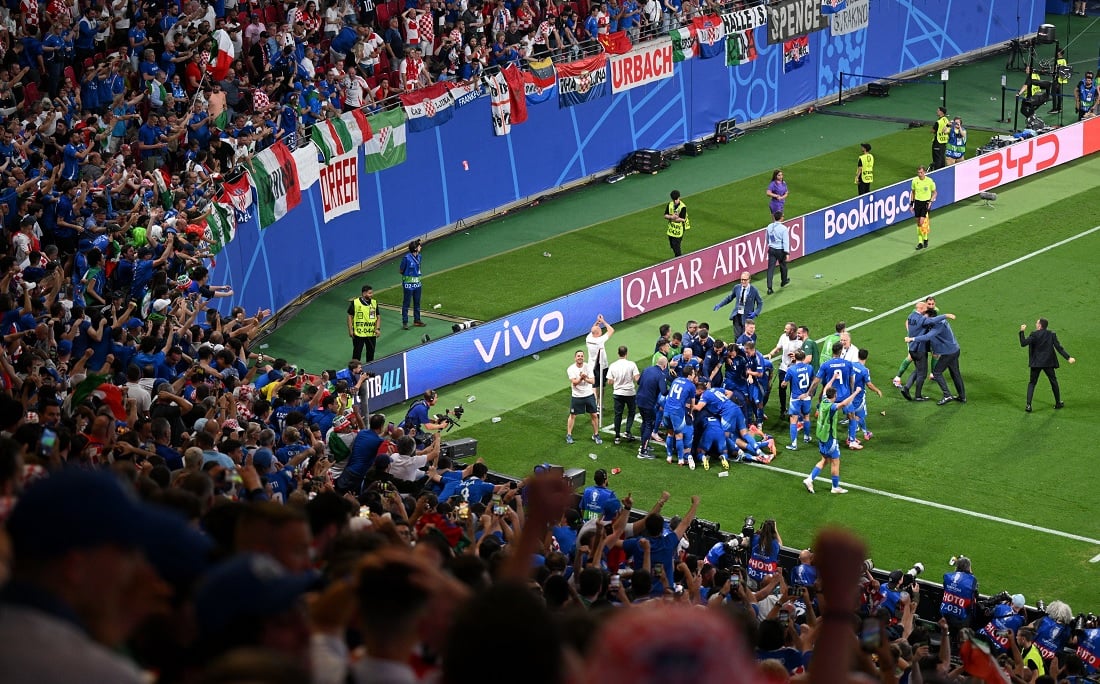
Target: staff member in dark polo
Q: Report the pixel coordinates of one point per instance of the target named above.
(779, 248)
(1041, 346)
(865, 169)
(364, 325)
(922, 194)
(676, 213)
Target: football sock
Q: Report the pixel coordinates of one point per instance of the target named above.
(853, 423)
(814, 473)
(794, 433)
(836, 481)
(806, 426)
(904, 366)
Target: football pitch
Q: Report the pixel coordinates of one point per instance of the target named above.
(1013, 491)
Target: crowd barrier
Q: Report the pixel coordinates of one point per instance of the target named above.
(459, 169)
(465, 354)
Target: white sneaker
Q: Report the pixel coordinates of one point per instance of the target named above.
(838, 490)
(670, 460)
(691, 463)
(809, 484)
(793, 446)
(806, 440)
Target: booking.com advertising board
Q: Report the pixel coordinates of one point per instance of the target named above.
(491, 345)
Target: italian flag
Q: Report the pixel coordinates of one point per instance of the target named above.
(222, 55)
(95, 387)
(222, 227)
(338, 136)
(275, 176)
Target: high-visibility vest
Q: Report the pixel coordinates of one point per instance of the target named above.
(941, 130)
(1061, 62)
(867, 167)
(365, 320)
(676, 228)
(1033, 87)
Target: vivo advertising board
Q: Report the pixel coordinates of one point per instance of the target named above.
(698, 272)
(873, 211)
(1020, 160)
(387, 386)
(493, 344)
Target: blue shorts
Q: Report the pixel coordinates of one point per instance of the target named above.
(800, 407)
(830, 449)
(713, 437)
(677, 423)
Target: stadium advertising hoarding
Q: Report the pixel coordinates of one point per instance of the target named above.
(640, 66)
(493, 344)
(867, 213)
(387, 386)
(1022, 159)
(698, 272)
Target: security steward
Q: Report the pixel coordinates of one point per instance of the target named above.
(939, 139)
(364, 325)
(1031, 92)
(676, 213)
(1061, 80)
(865, 169)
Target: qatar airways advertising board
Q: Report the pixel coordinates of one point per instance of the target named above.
(698, 272)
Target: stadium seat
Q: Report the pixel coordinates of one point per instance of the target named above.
(383, 13)
(31, 95)
(70, 75)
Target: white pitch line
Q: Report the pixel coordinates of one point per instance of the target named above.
(944, 507)
(1008, 264)
(1095, 559)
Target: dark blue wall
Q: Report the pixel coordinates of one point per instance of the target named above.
(432, 189)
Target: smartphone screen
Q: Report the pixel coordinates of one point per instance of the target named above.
(784, 617)
(735, 581)
(870, 634)
(47, 443)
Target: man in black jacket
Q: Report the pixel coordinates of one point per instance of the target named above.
(1041, 346)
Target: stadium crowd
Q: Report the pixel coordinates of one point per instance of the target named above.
(180, 507)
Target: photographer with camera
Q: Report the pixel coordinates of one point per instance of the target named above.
(763, 550)
(418, 424)
(960, 591)
(1007, 618)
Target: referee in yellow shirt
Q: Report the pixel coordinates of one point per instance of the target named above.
(922, 195)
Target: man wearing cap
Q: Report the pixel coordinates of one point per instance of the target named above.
(1085, 96)
(1008, 616)
(76, 539)
(364, 324)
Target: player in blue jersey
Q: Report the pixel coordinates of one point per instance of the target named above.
(857, 410)
(839, 371)
(713, 363)
(754, 374)
(831, 410)
(798, 380)
(678, 403)
(739, 440)
(735, 378)
(599, 502)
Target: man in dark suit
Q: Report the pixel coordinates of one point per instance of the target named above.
(1042, 345)
(747, 304)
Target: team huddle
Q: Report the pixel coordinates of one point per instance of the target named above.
(706, 399)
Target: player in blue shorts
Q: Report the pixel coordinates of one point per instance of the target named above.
(827, 425)
(857, 410)
(717, 403)
(754, 374)
(714, 437)
(799, 379)
(678, 404)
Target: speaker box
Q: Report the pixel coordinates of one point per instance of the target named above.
(643, 161)
(693, 149)
(458, 449)
(576, 477)
(1045, 34)
(878, 89)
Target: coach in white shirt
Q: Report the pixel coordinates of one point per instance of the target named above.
(623, 375)
(787, 345)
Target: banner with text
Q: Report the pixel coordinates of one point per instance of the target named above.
(1020, 160)
(340, 185)
(641, 66)
(387, 384)
(519, 335)
(867, 213)
(855, 17)
(695, 273)
(789, 19)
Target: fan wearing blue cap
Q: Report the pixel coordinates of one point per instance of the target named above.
(79, 540)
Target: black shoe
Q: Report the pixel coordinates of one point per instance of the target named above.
(919, 246)
(771, 291)
(945, 400)
(961, 400)
(785, 283)
(920, 398)
(905, 393)
(1060, 405)
(1028, 408)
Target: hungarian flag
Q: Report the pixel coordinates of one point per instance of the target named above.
(617, 43)
(684, 45)
(338, 136)
(221, 226)
(710, 34)
(833, 6)
(428, 107)
(237, 193)
(386, 146)
(740, 48)
(221, 56)
(94, 387)
(514, 77)
(276, 177)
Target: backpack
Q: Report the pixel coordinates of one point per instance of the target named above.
(824, 428)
